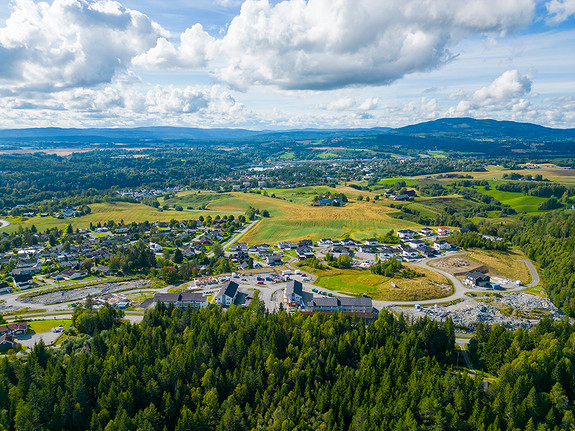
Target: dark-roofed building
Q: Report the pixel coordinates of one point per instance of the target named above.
(183, 300)
(227, 293)
(23, 281)
(343, 305)
(7, 341)
(476, 278)
(293, 292)
(274, 260)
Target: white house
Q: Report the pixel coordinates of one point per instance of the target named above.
(293, 292)
(442, 245)
(406, 234)
(227, 294)
(156, 248)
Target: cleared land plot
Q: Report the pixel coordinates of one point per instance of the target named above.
(499, 264)
(503, 263)
(357, 282)
(103, 212)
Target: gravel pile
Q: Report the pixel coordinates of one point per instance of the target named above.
(526, 301)
(82, 292)
(470, 313)
(479, 312)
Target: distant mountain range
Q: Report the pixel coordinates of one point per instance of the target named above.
(458, 134)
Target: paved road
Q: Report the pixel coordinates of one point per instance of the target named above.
(4, 223)
(459, 292)
(534, 275)
(237, 236)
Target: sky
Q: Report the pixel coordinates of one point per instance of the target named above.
(265, 64)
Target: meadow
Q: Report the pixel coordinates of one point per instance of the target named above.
(518, 201)
(357, 282)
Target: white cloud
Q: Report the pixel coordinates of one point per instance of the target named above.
(368, 104)
(560, 10)
(192, 51)
(70, 43)
(504, 92)
(328, 44)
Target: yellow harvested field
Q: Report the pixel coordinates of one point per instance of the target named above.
(292, 221)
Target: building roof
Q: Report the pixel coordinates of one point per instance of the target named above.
(477, 276)
(230, 289)
(294, 286)
(10, 327)
(192, 297)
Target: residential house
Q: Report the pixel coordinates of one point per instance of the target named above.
(274, 260)
(155, 247)
(227, 294)
(477, 279)
(286, 245)
(293, 294)
(304, 252)
(103, 270)
(406, 234)
(265, 253)
(73, 274)
(444, 230)
(23, 281)
(367, 249)
(5, 288)
(325, 242)
(348, 242)
(410, 253)
(7, 342)
(443, 245)
(305, 242)
(371, 241)
(344, 305)
(386, 253)
(426, 231)
(183, 300)
(17, 328)
(339, 250)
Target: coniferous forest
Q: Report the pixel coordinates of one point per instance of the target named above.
(248, 369)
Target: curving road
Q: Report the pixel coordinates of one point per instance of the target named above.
(4, 223)
(534, 276)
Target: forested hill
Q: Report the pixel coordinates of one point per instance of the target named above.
(247, 369)
(469, 128)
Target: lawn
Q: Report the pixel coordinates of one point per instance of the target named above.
(357, 282)
(102, 212)
(503, 263)
(296, 220)
(518, 201)
(39, 326)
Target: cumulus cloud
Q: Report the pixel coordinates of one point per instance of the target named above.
(329, 44)
(70, 43)
(504, 92)
(560, 10)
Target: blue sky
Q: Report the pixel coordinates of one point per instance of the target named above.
(273, 65)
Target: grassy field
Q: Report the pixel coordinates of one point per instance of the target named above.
(357, 282)
(44, 325)
(298, 219)
(102, 212)
(503, 263)
(518, 201)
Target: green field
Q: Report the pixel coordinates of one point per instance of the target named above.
(298, 219)
(39, 326)
(518, 201)
(102, 212)
(357, 282)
